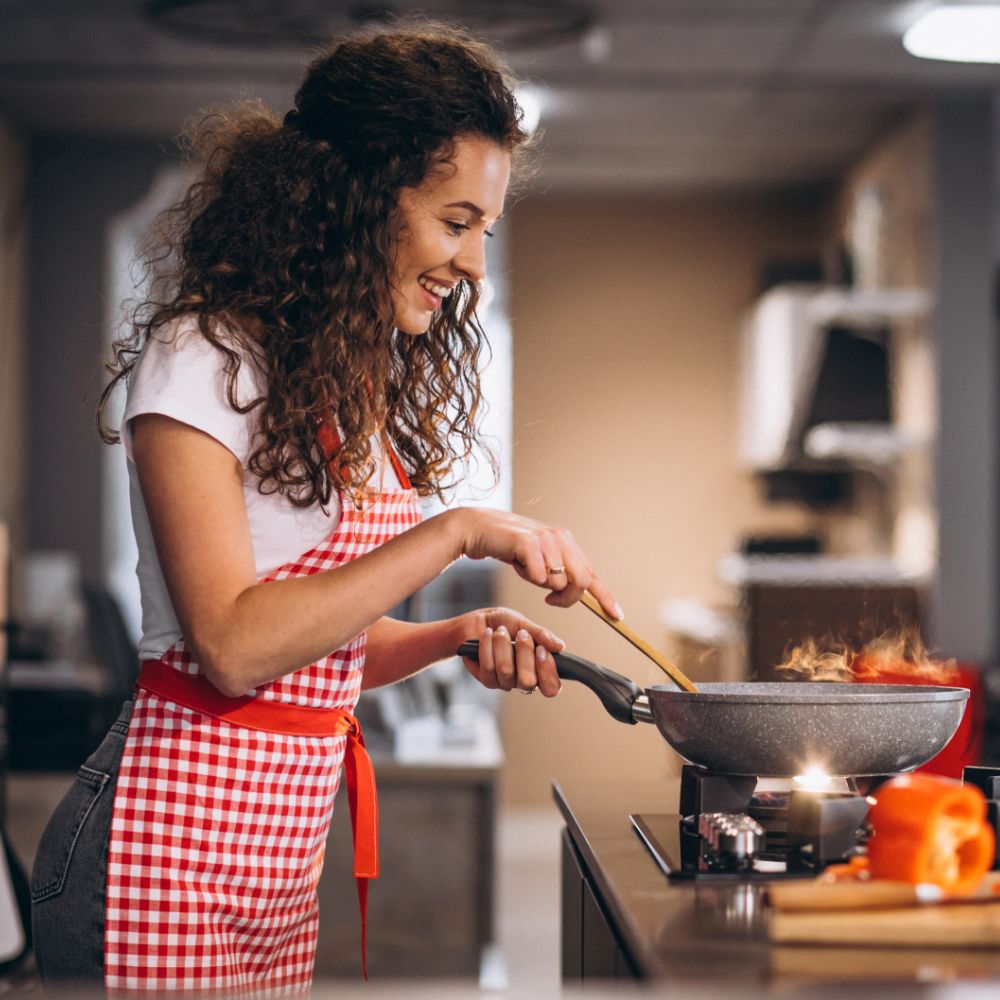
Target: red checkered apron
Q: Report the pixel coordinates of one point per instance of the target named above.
(220, 822)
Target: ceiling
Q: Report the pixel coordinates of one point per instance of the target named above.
(650, 94)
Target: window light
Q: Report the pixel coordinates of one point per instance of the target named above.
(958, 34)
(531, 101)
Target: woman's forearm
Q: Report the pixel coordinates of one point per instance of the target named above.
(397, 649)
(244, 633)
(274, 628)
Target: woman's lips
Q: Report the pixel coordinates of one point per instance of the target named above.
(430, 297)
(436, 291)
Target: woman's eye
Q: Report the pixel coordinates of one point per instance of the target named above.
(457, 228)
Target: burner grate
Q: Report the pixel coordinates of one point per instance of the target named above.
(728, 829)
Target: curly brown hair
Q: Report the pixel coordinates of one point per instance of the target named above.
(283, 249)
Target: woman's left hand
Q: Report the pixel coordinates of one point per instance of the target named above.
(524, 664)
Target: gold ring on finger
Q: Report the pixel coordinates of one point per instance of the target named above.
(555, 570)
(526, 690)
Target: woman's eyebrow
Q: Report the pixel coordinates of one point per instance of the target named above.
(472, 207)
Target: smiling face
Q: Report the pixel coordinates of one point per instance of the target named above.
(445, 223)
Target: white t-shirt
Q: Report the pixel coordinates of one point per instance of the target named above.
(181, 375)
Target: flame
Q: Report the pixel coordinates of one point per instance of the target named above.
(901, 654)
(813, 779)
(811, 663)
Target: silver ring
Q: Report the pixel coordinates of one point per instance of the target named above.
(555, 570)
(525, 690)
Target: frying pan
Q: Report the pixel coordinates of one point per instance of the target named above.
(781, 729)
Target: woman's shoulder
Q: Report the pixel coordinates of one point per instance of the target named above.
(183, 374)
(183, 339)
(180, 350)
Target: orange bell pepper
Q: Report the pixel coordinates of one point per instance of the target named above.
(928, 828)
(855, 869)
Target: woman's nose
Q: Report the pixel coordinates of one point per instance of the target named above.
(471, 260)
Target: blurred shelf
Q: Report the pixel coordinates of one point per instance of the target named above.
(819, 571)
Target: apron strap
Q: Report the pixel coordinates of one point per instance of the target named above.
(195, 692)
(363, 800)
(404, 479)
(330, 441)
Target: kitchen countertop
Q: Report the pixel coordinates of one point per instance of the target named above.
(714, 934)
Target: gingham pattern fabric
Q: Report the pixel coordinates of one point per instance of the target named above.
(334, 681)
(218, 831)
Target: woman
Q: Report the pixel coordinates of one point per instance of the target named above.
(309, 368)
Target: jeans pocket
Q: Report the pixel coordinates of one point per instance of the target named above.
(64, 829)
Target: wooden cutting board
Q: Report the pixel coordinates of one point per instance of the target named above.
(803, 963)
(821, 895)
(971, 925)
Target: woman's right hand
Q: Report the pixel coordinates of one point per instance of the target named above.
(543, 554)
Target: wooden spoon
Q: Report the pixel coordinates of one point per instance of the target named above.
(669, 668)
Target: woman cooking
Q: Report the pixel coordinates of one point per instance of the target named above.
(306, 367)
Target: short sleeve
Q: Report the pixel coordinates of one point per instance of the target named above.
(181, 375)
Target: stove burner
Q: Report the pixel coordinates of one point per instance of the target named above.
(826, 825)
(682, 853)
(725, 829)
(770, 809)
(703, 791)
(730, 838)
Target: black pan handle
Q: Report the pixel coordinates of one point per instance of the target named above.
(618, 694)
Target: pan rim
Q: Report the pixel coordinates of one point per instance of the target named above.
(811, 693)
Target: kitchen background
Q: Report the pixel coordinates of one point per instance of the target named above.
(709, 171)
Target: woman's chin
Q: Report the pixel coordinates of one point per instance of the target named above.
(414, 326)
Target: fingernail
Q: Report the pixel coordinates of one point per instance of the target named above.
(540, 653)
(619, 614)
(502, 630)
(523, 634)
(556, 639)
(488, 633)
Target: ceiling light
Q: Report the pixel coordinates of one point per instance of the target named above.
(957, 34)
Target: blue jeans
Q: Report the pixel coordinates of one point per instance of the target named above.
(68, 881)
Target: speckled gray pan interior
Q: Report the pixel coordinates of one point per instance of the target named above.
(782, 729)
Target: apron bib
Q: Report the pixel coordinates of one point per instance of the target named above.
(219, 827)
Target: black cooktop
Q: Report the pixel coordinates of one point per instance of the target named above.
(679, 851)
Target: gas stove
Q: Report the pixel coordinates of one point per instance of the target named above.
(733, 827)
(728, 827)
